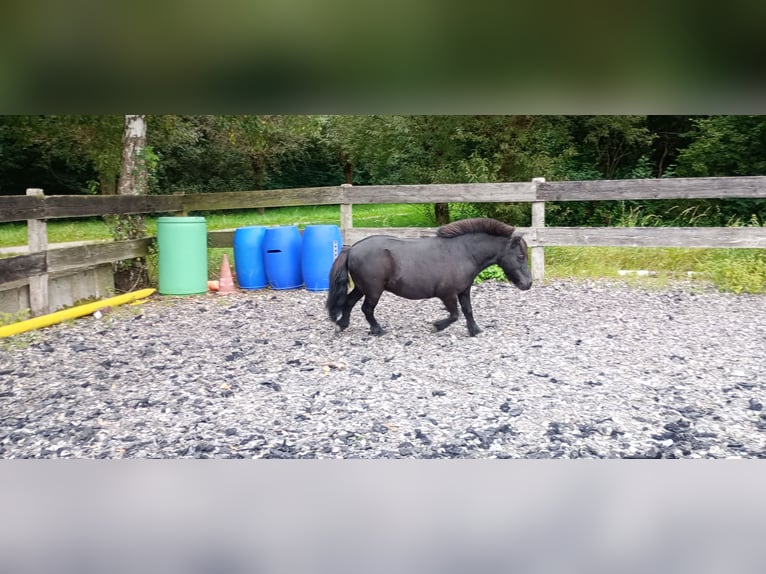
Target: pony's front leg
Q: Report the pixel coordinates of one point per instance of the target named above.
(465, 304)
(450, 303)
(368, 308)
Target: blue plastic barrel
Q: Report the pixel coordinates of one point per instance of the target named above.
(182, 259)
(248, 257)
(282, 257)
(321, 246)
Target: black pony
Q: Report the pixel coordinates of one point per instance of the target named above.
(444, 266)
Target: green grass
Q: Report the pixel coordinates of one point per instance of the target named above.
(607, 261)
(735, 270)
(12, 234)
(732, 270)
(389, 215)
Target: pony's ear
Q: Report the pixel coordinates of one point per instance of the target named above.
(517, 241)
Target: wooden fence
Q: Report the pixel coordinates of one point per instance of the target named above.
(34, 267)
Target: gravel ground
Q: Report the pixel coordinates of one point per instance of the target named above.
(565, 370)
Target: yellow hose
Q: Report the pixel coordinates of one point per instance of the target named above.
(72, 313)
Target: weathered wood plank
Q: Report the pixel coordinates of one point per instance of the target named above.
(671, 188)
(84, 256)
(746, 237)
(21, 207)
(262, 198)
(90, 205)
(22, 267)
(443, 193)
(221, 239)
(358, 233)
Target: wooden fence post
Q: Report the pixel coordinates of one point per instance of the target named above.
(37, 240)
(346, 213)
(537, 253)
(184, 212)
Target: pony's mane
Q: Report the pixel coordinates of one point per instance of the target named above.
(475, 225)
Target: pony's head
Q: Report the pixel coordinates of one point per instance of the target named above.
(514, 262)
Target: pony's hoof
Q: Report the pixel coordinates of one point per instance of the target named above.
(377, 332)
(474, 332)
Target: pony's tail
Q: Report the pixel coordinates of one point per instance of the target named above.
(336, 298)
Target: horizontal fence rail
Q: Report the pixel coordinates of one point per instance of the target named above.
(60, 260)
(443, 193)
(21, 207)
(33, 267)
(671, 188)
(711, 237)
(263, 198)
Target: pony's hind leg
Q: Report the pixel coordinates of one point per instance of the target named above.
(351, 300)
(450, 303)
(465, 304)
(368, 308)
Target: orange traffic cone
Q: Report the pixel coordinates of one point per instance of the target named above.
(226, 283)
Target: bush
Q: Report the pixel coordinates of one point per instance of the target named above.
(739, 270)
(493, 272)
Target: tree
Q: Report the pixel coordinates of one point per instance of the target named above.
(79, 138)
(396, 150)
(65, 154)
(725, 146)
(266, 140)
(133, 171)
(453, 149)
(341, 136)
(132, 274)
(615, 143)
(672, 134)
(195, 157)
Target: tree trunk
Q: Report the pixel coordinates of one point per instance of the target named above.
(133, 176)
(108, 185)
(441, 213)
(258, 163)
(348, 168)
(132, 274)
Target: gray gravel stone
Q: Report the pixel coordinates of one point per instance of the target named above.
(592, 369)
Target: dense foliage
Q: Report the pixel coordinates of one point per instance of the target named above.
(80, 154)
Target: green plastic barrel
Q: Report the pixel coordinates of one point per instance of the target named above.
(182, 245)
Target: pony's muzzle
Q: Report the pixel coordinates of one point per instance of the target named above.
(521, 281)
